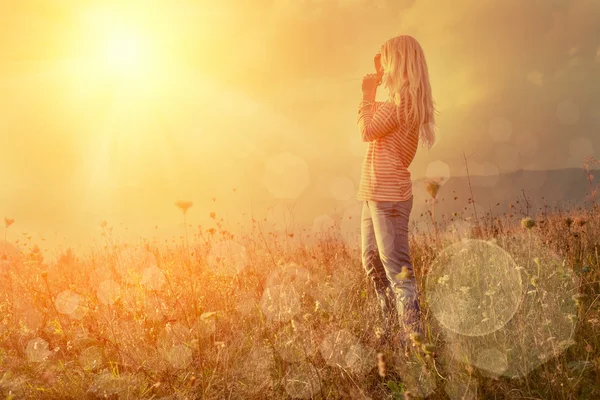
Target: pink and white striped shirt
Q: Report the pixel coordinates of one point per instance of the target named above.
(392, 147)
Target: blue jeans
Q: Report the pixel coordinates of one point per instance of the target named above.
(385, 250)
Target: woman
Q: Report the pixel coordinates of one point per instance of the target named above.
(393, 129)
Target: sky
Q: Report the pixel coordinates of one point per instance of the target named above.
(114, 110)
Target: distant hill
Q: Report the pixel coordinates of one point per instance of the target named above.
(551, 188)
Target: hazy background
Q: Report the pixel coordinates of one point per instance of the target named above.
(249, 104)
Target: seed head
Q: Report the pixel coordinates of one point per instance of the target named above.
(433, 187)
(527, 223)
(8, 221)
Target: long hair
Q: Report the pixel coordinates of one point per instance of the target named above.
(407, 78)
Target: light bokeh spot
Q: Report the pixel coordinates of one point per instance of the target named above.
(67, 302)
(461, 389)
(227, 257)
(180, 356)
(295, 342)
(280, 302)
(247, 303)
(342, 188)
(491, 360)
(438, 169)
(153, 278)
(337, 347)
(292, 274)
(360, 359)
(506, 158)
(536, 77)
(155, 308)
(579, 148)
(108, 292)
(286, 176)
(301, 381)
(500, 129)
(37, 350)
(174, 343)
(527, 144)
(132, 262)
(206, 325)
(567, 112)
(474, 287)
(419, 380)
(542, 327)
(91, 358)
(255, 370)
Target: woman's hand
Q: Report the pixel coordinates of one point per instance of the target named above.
(377, 62)
(370, 83)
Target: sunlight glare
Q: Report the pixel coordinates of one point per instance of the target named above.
(126, 53)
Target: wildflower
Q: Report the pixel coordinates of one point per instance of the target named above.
(183, 205)
(213, 215)
(8, 222)
(527, 223)
(443, 280)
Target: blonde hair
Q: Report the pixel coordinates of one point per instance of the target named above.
(407, 78)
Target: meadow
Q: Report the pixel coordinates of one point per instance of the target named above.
(510, 305)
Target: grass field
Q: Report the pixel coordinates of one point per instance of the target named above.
(510, 307)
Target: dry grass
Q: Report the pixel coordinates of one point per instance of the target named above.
(263, 315)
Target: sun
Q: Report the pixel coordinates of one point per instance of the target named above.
(126, 53)
(121, 47)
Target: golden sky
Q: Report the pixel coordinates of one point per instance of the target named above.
(116, 109)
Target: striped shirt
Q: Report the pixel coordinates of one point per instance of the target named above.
(391, 148)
